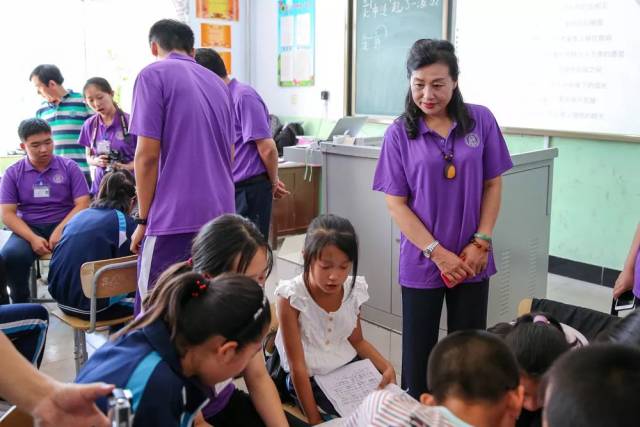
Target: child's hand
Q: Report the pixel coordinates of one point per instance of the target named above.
(388, 377)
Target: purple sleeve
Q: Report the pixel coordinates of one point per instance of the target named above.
(390, 177)
(9, 188)
(77, 180)
(85, 134)
(254, 118)
(147, 111)
(496, 159)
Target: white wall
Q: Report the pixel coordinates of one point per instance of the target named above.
(331, 27)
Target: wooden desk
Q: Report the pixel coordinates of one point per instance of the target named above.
(293, 213)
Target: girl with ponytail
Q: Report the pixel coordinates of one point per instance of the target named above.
(196, 332)
(231, 243)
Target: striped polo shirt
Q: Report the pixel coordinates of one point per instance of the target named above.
(392, 407)
(66, 119)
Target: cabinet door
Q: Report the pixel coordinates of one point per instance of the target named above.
(349, 194)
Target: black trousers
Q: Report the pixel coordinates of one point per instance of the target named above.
(421, 309)
(254, 200)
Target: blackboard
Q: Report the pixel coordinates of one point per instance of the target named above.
(384, 31)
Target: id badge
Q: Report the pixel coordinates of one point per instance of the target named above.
(41, 191)
(103, 147)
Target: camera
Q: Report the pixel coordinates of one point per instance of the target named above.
(113, 156)
(120, 414)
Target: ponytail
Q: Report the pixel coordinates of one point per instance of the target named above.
(195, 308)
(117, 190)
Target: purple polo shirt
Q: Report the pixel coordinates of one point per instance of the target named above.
(251, 124)
(636, 281)
(449, 208)
(179, 103)
(63, 179)
(113, 133)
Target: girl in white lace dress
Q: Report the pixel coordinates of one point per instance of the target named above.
(319, 313)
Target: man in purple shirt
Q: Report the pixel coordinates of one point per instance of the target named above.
(38, 196)
(255, 167)
(184, 124)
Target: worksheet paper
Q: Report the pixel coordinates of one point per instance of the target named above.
(347, 387)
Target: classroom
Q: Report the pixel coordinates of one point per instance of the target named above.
(320, 212)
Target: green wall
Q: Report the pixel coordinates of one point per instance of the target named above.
(596, 192)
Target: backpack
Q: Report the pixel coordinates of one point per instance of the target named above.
(286, 137)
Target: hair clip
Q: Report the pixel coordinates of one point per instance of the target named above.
(199, 288)
(261, 309)
(190, 262)
(539, 318)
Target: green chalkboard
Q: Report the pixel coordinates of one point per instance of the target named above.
(384, 33)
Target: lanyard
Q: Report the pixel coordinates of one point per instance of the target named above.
(123, 125)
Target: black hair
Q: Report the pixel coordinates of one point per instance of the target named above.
(427, 52)
(99, 82)
(536, 339)
(597, 385)
(195, 308)
(32, 126)
(218, 245)
(172, 35)
(472, 365)
(47, 72)
(327, 230)
(211, 60)
(625, 331)
(117, 190)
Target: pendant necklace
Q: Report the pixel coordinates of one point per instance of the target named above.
(449, 167)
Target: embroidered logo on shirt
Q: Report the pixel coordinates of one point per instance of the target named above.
(472, 140)
(58, 178)
(120, 135)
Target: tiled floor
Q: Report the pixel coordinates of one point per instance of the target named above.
(58, 358)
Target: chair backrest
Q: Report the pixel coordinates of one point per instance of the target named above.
(113, 277)
(14, 417)
(585, 320)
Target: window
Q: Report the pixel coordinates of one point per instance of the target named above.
(106, 38)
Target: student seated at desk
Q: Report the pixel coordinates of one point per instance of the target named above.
(39, 195)
(196, 333)
(473, 380)
(100, 232)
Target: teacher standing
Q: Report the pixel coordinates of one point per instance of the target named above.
(440, 168)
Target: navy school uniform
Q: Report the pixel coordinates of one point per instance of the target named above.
(147, 363)
(92, 234)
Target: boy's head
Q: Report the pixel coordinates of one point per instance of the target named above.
(169, 35)
(211, 60)
(475, 375)
(35, 139)
(598, 385)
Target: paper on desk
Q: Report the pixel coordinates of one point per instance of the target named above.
(347, 387)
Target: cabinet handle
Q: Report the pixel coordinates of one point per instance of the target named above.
(397, 239)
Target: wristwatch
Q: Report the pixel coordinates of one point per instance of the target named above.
(428, 251)
(140, 221)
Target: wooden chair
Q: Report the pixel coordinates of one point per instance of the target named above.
(100, 279)
(34, 276)
(15, 417)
